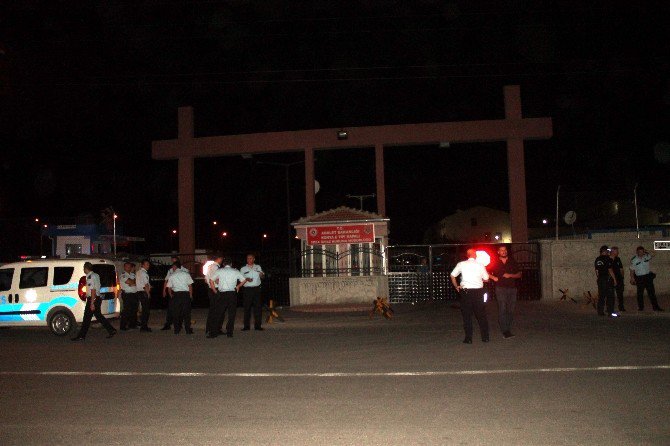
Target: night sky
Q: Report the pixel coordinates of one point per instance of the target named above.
(86, 86)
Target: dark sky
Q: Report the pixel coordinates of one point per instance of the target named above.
(86, 86)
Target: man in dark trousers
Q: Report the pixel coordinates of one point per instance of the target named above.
(504, 273)
(617, 268)
(606, 282)
(180, 285)
(143, 285)
(473, 298)
(93, 301)
(252, 293)
(227, 282)
(129, 297)
(643, 278)
(167, 293)
(212, 292)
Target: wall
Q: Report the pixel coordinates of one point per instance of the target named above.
(337, 290)
(82, 240)
(569, 264)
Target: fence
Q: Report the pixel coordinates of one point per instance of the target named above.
(421, 272)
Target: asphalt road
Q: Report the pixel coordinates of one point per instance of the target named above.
(568, 377)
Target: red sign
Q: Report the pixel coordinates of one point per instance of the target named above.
(334, 235)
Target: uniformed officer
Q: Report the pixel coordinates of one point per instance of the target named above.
(129, 297)
(167, 294)
(143, 293)
(180, 285)
(226, 282)
(251, 293)
(606, 282)
(643, 278)
(617, 268)
(93, 301)
(212, 293)
(473, 298)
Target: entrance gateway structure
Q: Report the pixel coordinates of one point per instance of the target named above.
(513, 129)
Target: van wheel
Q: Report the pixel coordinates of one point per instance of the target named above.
(61, 323)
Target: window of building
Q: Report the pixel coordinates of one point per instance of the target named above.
(6, 276)
(72, 249)
(33, 277)
(63, 274)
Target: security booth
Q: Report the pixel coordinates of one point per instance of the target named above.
(342, 258)
(72, 240)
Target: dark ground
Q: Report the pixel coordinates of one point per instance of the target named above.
(317, 391)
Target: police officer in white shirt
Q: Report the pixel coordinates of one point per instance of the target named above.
(143, 293)
(643, 278)
(129, 297)
(473, 298)
(251, 293)
(93, 301)
(167, 294)
(180, 285)
(226, 282)
(212, 293)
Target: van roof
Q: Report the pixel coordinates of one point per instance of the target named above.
(70, 260)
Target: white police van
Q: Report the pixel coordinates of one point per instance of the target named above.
(52, 292)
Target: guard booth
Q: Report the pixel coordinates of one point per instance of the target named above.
(342, 258)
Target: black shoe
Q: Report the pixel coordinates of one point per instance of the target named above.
(230, 335)
(467, 341)
(166, 327)
(145, 329)
(78, 338)
(508, 334)
(221, 332)
(259, 328)
(211, 336)
(659, 309)
(177, 332)
(111, 334)
(189, 331)
(485, 339)
(246, 329)
(133, 327)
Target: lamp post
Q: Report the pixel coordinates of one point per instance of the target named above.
(637, 221)
(114, 217)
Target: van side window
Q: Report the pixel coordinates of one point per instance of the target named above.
(63, 274)
(107, 275)
(6, 276)
(33, 277)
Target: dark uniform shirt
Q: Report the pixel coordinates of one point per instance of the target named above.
(500, 268)
(617, 268)
(603, 264)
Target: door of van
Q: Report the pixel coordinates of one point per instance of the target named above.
(107, 273)
(9, 306)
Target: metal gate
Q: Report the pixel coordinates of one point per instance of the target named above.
(421, 272)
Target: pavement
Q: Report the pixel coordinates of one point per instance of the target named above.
(568, 377)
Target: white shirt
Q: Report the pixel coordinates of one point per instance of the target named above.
(92, 283)
(179, 281)
(141, 279)
(640, 265)
(124, 286)
(213, 267)
(252, 272)
(170, 271)
(226, 278)
(473, 274)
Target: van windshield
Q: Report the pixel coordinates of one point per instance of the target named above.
(107, 275)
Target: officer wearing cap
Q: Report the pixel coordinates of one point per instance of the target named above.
(606, 282)
(180, 286)
(643, 278)
(225, 282)
(252, 293)
(129, 297)
(167, 294)
(93, 302)
(473, 298)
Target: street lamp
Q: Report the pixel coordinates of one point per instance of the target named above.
(114, 217)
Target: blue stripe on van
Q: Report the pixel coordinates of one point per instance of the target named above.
(43, 308)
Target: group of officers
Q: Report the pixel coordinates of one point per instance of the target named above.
(223, 282)
(610, 279)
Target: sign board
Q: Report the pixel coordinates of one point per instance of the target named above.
(340, 234)
(662, 245)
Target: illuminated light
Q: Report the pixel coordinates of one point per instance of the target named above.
(214, 223)
(486, 296)
(224, 234)
(265, 236)
(43, 257)
(115, 216)
(296, 237)
(31, 295)
(545, 221)
(497, 237)
(37, 220)
(45, 226)
(205, 267)
(483, 258)
(174, 231)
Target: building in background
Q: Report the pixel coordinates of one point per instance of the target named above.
(476, 224)
(83, 239)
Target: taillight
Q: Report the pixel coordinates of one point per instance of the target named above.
(81, 290)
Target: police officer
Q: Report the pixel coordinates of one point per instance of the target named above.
(143, 293)
(251, 293)
(93, 301)
(180, 285)
(643, 278)
(617, 268)
(606, 282)
(473, 298)
(227, 282)
(129, 297)
(167, 294)
(212, 293)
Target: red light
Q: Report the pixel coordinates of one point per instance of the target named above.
(81, 289)
(483, 258)
(224, 234)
